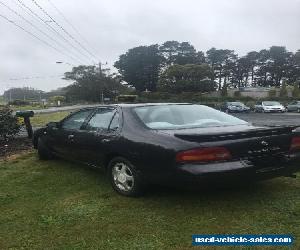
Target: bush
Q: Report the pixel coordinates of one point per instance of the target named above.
(224, 90)
(283, 91)
(19, 102)
(272, 93)
(237, 94)
(9, 125)
(296, 91)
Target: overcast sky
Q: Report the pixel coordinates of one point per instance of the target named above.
(111, 27)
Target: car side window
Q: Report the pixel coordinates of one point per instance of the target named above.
(74, 122)
(101, 119)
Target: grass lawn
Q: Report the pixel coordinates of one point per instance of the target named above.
(40, 120)
(61, 205)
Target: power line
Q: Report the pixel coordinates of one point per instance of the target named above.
(33, 35)
(37, 28)
(64, 30)
(36, 17)
(32, 13)
(68, 22)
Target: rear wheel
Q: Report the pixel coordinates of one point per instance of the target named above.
(43, 152)
(124, 177)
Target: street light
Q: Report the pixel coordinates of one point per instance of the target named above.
(60, 62)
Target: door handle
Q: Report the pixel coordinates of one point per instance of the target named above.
(70, 137)
(105, 140)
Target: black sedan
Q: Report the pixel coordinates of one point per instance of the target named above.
(182, 144)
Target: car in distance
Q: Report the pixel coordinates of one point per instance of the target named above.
(293, 106)
(181, 144)
(235, 107)
(269, 106)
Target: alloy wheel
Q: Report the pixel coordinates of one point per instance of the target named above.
(123, 177)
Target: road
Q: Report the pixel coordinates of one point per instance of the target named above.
(271, 119)
(64, 108)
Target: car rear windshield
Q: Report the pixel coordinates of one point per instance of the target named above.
(177, 116)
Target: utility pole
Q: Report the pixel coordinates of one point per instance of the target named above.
(100, 73)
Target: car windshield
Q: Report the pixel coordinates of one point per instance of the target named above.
(239, 104)
(178, 116)
(271, 103)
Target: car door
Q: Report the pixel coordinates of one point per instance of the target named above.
(100, 133)
(292, 106)
(62, 138)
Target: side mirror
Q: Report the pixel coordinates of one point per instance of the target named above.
(53, 125)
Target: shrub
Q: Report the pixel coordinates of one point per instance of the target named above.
(19, 102)
(9, 125)
(296, 91)
(237, 94)
(224, 90)
(272, 93)
(283, 91)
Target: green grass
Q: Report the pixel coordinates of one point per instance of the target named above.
(61, 205)
(42, 119)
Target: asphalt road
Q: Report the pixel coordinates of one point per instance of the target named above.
(271, 119)
(64, 108)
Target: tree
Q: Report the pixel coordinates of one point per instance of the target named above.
(9, 125)
(279, 64)
(25, 93)
(57, 99)
(187, 78)
(90, 84)
(140, 67)
(174, 52)
(223, 63)
(296, 90)
(283, 90)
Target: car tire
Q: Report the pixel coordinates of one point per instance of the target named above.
(43, 152)
(125, 178)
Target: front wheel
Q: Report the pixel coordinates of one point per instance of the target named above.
(124, 177)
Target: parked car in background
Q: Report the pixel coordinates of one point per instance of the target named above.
(294, 106)
(177, 144)
(234, 107)
(269, 106)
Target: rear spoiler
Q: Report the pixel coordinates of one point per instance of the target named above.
(259, 132)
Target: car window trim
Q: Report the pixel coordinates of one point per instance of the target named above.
(84, 125)
(74, 113)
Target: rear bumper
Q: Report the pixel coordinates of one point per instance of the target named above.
(274, 110)
(233, 172)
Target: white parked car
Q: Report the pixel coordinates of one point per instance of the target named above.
(269, 106)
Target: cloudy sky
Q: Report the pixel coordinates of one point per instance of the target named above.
(101, 30)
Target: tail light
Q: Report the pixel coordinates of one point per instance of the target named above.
(204, 155)
(295, 144)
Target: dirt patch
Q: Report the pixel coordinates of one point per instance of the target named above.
(14, 147)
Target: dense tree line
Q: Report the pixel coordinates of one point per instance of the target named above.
(180, 67)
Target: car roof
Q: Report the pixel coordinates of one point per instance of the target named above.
(133, 105)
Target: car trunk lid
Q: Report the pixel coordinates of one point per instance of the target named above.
(244, 142)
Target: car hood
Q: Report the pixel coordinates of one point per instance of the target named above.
(274, 107)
